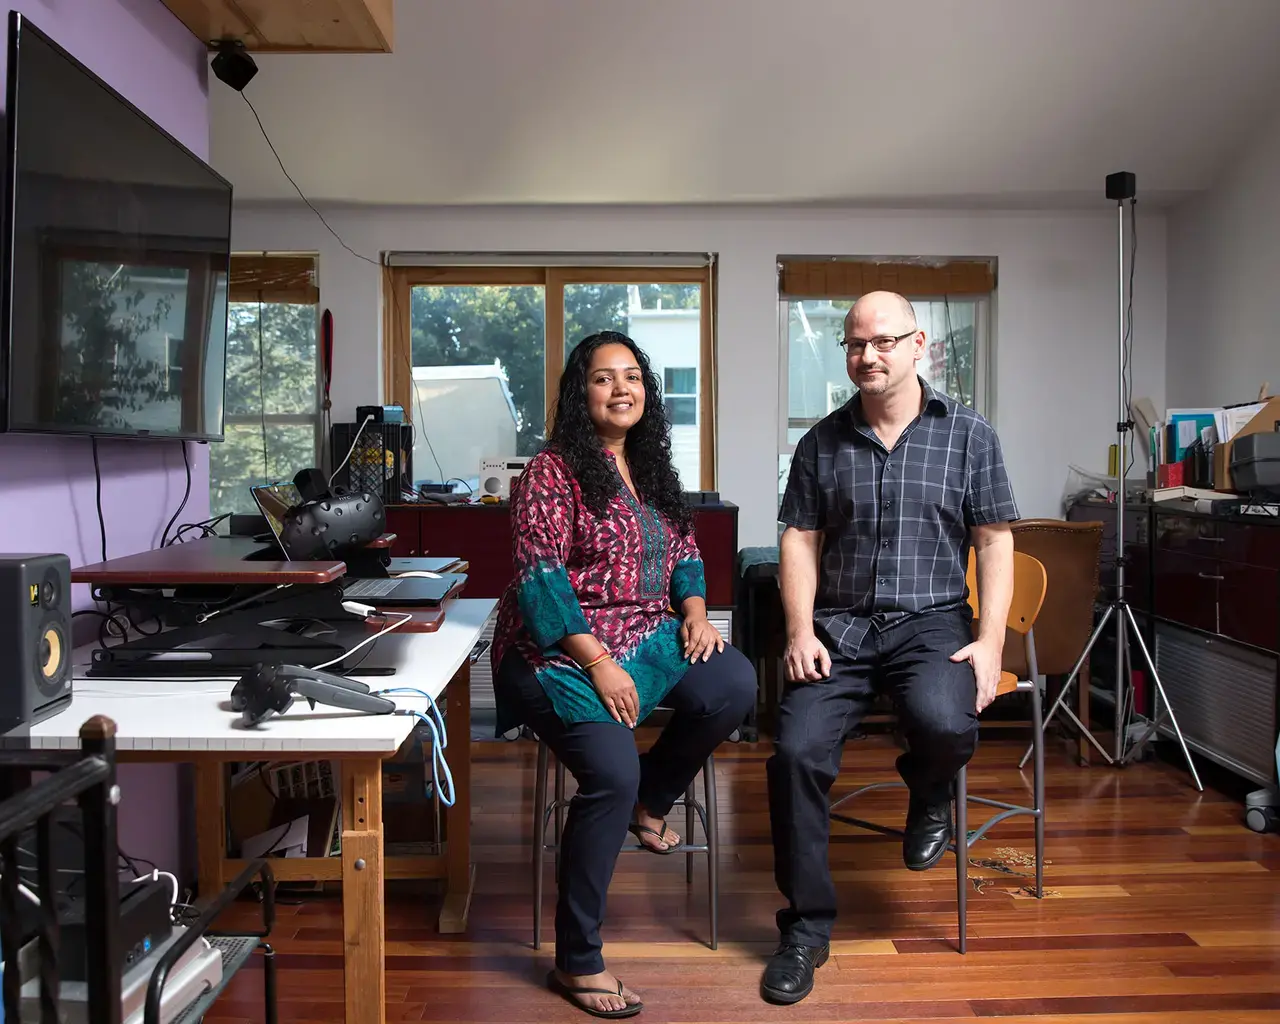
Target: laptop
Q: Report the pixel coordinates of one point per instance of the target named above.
(427, 591)
(418, 563)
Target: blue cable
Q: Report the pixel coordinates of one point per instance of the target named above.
(439, 740)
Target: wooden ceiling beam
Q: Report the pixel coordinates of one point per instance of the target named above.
(291, 26)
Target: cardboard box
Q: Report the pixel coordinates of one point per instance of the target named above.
(1265, 421)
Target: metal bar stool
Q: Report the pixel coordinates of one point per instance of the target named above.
(553, 812)
(1029, 582)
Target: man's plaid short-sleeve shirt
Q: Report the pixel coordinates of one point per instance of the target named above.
(895, 524)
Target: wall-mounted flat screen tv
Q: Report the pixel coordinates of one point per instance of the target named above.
(114, 255)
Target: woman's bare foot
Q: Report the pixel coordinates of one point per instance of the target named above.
(593, 1000)
(670, 839)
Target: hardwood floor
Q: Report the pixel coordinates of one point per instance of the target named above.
(1161, 907)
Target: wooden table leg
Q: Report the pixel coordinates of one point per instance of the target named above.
(211, 827)
(363, 925)
(459, 871)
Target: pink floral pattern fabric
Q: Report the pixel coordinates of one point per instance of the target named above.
(620, 576)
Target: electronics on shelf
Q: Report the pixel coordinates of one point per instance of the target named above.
(380, 413)
(498, 476)
(196, 971)
(343, 526)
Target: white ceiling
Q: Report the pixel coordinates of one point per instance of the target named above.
(913, 102)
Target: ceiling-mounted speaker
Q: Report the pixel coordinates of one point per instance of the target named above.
(233, 65)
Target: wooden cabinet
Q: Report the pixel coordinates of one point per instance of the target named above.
(1219, 575)
(1213, 585)
(404, 523)
(481, 534)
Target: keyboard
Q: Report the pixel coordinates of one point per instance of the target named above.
(370, 588)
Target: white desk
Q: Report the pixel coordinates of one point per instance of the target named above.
(190, 720)
(194, 715)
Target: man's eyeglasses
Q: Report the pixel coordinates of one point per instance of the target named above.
(855, 346)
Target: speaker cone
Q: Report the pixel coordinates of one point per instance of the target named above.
(53, 655)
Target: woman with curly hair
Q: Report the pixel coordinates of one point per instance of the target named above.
(606, 618)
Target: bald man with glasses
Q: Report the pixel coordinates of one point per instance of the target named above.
(884, 500)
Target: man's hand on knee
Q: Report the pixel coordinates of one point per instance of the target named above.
(806, 659)
(985, 658)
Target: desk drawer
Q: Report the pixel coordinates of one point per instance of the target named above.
(1249, 604)
(1226, 539)
(1186, 589)
(1253, 545)
(1191, 535)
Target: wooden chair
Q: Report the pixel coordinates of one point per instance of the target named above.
(1029, 584)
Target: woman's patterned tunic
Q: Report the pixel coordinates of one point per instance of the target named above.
(618, 576)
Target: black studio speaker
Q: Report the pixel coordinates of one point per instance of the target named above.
(35, 637)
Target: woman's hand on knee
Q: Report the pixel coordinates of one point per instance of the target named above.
(617, 691)
(698, 638)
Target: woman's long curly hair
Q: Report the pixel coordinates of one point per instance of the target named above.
(648, 445)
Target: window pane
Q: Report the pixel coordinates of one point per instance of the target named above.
(237, 463)
(665, 320)
(784, 471)
(948, 363)
(681, 380)
(681, 411)
(286, 379)
(818, 382)
(479, 375)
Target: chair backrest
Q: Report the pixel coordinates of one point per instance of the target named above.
(1029, 585)
(1070, 553)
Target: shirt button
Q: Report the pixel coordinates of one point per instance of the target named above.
(884, 582)
(884, 543)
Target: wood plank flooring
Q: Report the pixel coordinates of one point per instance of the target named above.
(1161, 907)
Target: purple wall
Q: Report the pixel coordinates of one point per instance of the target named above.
(46, 483)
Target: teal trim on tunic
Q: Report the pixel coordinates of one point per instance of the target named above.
(687, 580)
(653, 546)
(655, 665)
(549, 606)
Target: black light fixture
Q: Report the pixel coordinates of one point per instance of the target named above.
(233, 65)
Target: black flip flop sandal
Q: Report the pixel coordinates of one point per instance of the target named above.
(560, 988)
(635, 828)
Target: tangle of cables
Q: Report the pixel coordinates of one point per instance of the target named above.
(441, 777)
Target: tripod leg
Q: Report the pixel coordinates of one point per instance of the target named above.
(1122, 696)
(1155, 678)
(1084, 731)
(1066, 688)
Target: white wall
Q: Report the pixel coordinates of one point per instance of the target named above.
(1224, 269)
(1054, 400)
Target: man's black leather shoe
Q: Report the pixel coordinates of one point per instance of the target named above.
(788, 978)
(927, 833)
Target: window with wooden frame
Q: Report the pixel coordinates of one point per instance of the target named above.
(273, 419)
(952, 301)
(474, 354)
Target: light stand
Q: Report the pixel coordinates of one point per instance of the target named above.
(1121, 186)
